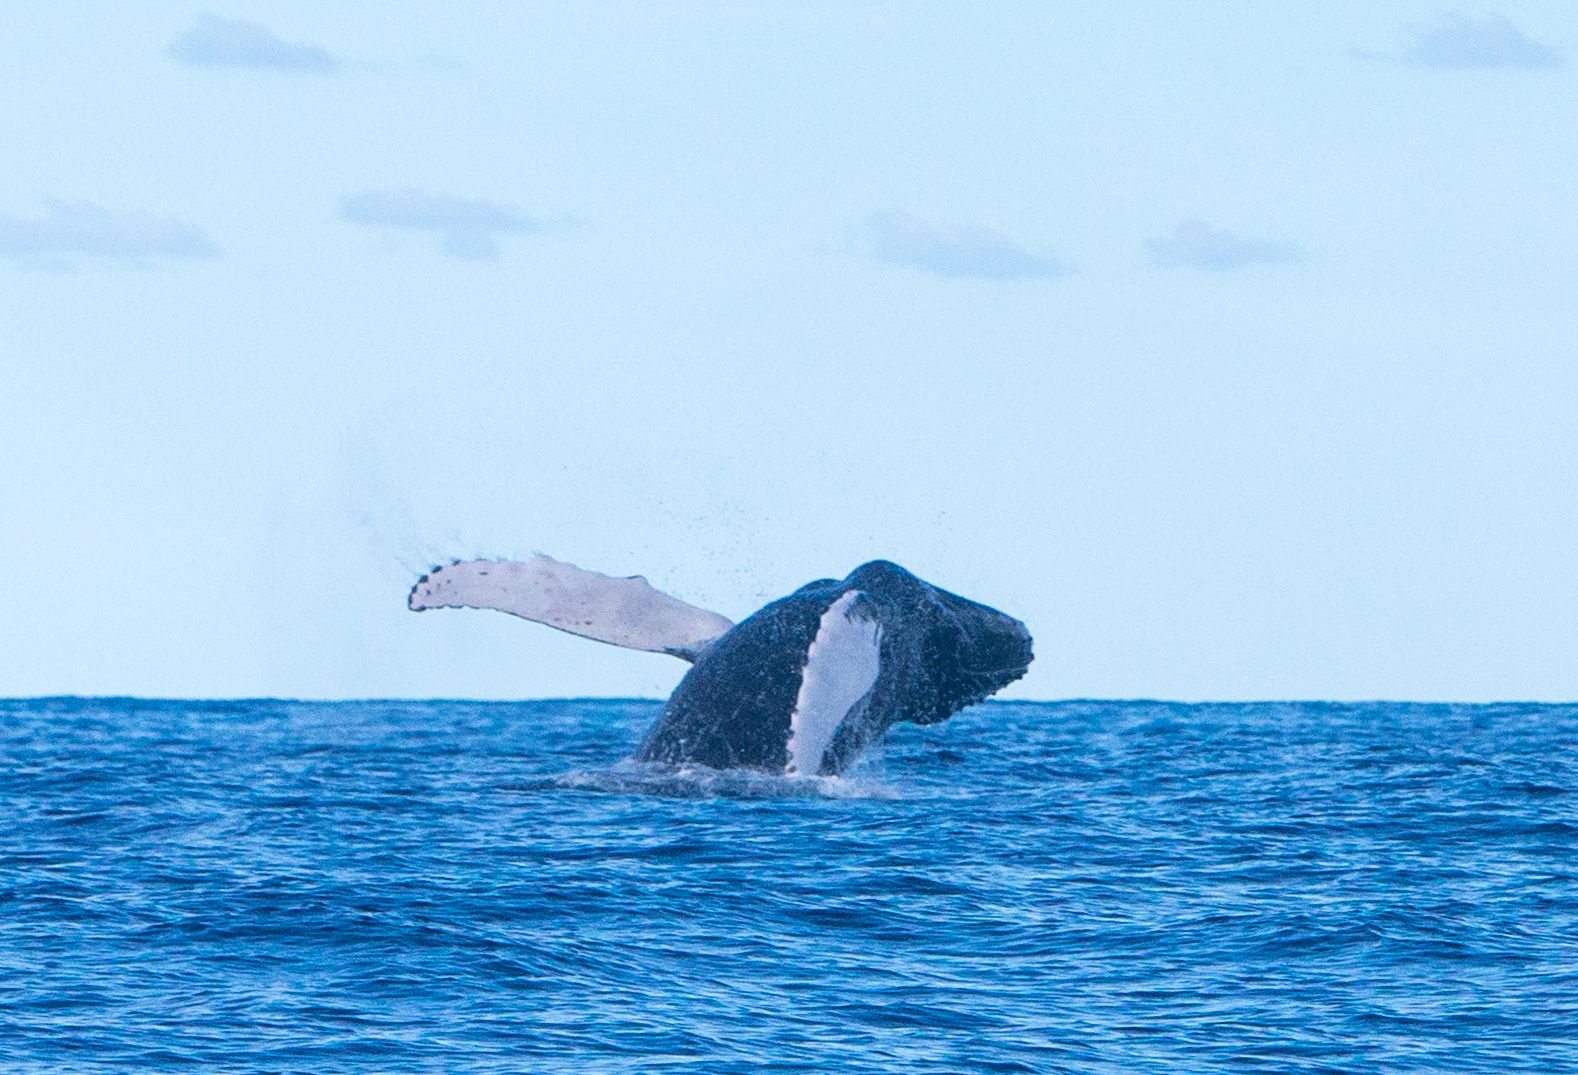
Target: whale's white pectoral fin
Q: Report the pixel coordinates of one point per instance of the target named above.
(840, 668)
(627, 612)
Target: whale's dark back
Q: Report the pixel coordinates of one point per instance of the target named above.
(939, 653)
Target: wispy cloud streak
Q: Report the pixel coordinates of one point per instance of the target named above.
(1195, 244)
(1454, 40)
(952, 251)
(469, 226)
(216, 41)
(71, 229)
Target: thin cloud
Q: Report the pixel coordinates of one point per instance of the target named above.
(1195, 244)
(216, 41)
(72, 229)
(1461, 41)
(953, 251)
(469, 226)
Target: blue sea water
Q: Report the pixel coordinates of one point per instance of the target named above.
(1076, 886)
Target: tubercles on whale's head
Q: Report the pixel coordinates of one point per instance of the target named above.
(884, 575)
(971, 650)
(989, 646)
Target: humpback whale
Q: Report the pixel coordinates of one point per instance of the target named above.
(802, 686)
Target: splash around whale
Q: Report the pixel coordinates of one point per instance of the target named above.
(802, 686)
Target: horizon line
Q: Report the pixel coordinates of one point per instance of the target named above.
(1073, 700)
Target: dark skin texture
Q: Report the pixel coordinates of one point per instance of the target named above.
(939, 653)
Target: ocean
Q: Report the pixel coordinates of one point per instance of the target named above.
(1078, 886)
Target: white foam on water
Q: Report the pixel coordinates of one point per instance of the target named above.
(699, 782)
(840, 668)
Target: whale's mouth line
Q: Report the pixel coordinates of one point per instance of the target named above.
(1020, 668)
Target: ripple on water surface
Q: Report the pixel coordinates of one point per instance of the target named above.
(1080, 886)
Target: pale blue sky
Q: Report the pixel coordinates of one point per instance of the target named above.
(1230, 346)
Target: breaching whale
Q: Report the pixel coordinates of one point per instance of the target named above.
(801, 686)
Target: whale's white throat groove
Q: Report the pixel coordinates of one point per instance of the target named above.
(840, 668)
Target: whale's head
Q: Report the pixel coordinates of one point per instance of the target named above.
(967, 650)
